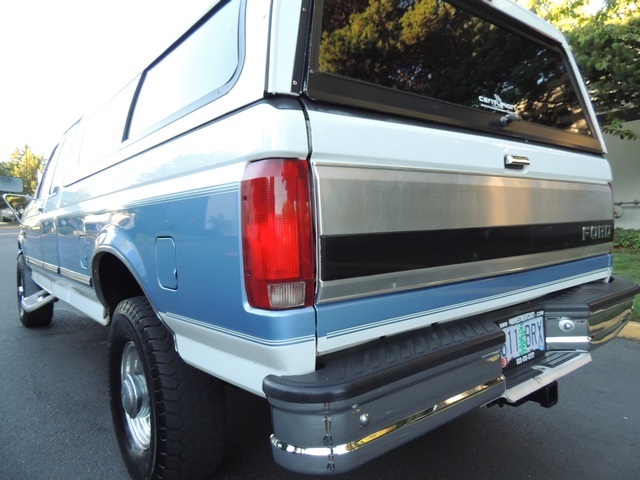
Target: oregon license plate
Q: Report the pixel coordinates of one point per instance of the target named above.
(524, 338)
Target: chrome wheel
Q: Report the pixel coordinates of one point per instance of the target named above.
(169, 418)
(135, 398)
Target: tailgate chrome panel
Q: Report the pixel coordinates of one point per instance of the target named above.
(379, 228)
(364, 200)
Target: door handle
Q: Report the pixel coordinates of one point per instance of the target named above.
(516, 162)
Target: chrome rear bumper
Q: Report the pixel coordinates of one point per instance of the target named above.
(327, 458)
(585, 317)
(364, 402)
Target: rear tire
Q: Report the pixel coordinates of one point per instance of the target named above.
(169, 417)
(26, 287)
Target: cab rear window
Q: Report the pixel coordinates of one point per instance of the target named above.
(451, 62)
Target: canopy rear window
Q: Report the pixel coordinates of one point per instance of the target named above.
(461, 63)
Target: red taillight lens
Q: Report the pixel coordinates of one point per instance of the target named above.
(277, 236)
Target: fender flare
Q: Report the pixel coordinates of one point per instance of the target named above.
(114, 240)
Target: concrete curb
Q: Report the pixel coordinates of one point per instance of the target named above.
(631, 331)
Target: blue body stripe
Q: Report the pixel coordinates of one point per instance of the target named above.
(351, 316)
(210, 290)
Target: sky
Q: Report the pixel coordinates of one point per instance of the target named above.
(61, 58)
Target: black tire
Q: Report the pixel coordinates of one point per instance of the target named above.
(26, 287)
(169, 417)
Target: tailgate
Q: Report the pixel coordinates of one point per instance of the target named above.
(418, 225)
(457, 164)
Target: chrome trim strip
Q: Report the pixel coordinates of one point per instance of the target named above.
(85, 280)
(336, 290)
(50, 267)
(34, 262)
(359, 200)
(445, 405)
(77, 277)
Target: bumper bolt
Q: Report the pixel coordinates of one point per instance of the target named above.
(365, 419)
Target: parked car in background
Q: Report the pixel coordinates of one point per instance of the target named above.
(6, 215)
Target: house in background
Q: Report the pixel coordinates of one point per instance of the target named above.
(624, 157)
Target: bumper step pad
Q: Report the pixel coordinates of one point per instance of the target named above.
(365, 402)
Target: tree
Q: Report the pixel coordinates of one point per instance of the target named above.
(436, 50)
(5, 171)
(605, 38)
(25, 165)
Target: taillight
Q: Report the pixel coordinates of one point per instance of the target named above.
(277, 237)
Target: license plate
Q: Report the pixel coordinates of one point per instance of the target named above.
(524, 338)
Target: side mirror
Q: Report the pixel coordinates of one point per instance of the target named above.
(16, 214)
(11, 185)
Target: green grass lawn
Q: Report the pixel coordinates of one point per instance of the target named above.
(627, 264)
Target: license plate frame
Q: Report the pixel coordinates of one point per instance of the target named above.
(525, 338)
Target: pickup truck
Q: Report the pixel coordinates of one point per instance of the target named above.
(378, 215)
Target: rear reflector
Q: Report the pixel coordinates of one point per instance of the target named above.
(277, 235)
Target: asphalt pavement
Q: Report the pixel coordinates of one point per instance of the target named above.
(55, 422)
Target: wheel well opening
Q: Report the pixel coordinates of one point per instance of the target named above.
(115, 282)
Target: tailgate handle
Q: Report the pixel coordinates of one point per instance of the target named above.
(516, 162)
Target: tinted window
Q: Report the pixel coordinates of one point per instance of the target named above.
(44, 188)
(203, 62)
(105, 128)
(68, 155)
(437, 50)
(55, 168)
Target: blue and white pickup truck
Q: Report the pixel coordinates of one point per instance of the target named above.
(377, 214)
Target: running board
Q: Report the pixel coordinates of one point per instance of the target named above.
(36, 301)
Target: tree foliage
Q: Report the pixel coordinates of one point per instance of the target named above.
(605, 39)
(433, 49)
(25, 165)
